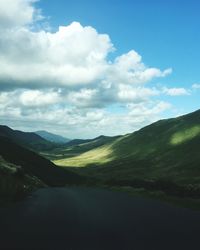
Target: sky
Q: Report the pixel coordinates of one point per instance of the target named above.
(86, 68)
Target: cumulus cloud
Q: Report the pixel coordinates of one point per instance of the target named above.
(196, 86)
(73, 55)
(34, 98)
(17, 13)
(65, 79)
(135, 95)
(176, 91)
(74, 121)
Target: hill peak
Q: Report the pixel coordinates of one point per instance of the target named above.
(52, 137)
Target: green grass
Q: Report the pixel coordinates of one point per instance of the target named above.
(185, 135)
(161, 157)
(64, 152)
(165, 150)
(36, 165)
(97, 156)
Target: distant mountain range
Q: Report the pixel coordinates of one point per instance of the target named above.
(34, 164)
(52, 137)
(77, 147)
(22, 169)
(164, 156)
(91, 143)
(166, 151)
(26, 139)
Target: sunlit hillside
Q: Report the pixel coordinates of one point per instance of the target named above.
(167, 149)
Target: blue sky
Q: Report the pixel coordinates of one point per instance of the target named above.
(165, 33)
(76, 81)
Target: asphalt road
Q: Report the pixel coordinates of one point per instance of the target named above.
(95, 219)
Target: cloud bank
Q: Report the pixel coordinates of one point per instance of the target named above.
(65, 82)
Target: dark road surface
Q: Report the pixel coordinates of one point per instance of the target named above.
(95, 219)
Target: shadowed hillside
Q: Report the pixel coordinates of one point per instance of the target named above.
(166, 150)
(52, 137)
(26, 139)
(14, 183)
(77, 147)
(35, 165)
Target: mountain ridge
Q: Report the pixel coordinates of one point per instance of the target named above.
(166, 149)
(52, 137)
(35, 165)
(26, 139)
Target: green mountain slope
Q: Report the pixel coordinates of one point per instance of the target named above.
(76, 142)
(33, 164)
(52, 137)
(166, 150)
(14, 183)
(27, 139)
(77, 147)
(86, 144)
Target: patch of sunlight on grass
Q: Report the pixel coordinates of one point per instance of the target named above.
(97, 156)
(185, 135)
(8, 167)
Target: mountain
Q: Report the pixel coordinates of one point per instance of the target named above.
(14, 183)
(34, 165)
(167, 151)
(162, 156)
(52, 137)
(77, 147)
(27, 139)
(82, 142)
(75, 142)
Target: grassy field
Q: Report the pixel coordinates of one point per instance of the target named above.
(69, 151)
(98, 156)
(165, 153)
(161, 157)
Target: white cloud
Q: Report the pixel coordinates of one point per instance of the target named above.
(73, 55)
(129, 69)
(17, 13)
(196, 86)
(150, 110)
(65, 81)
(129, 94)
(81, 123)
(34, 98)
(83, 98)
(176, 91)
